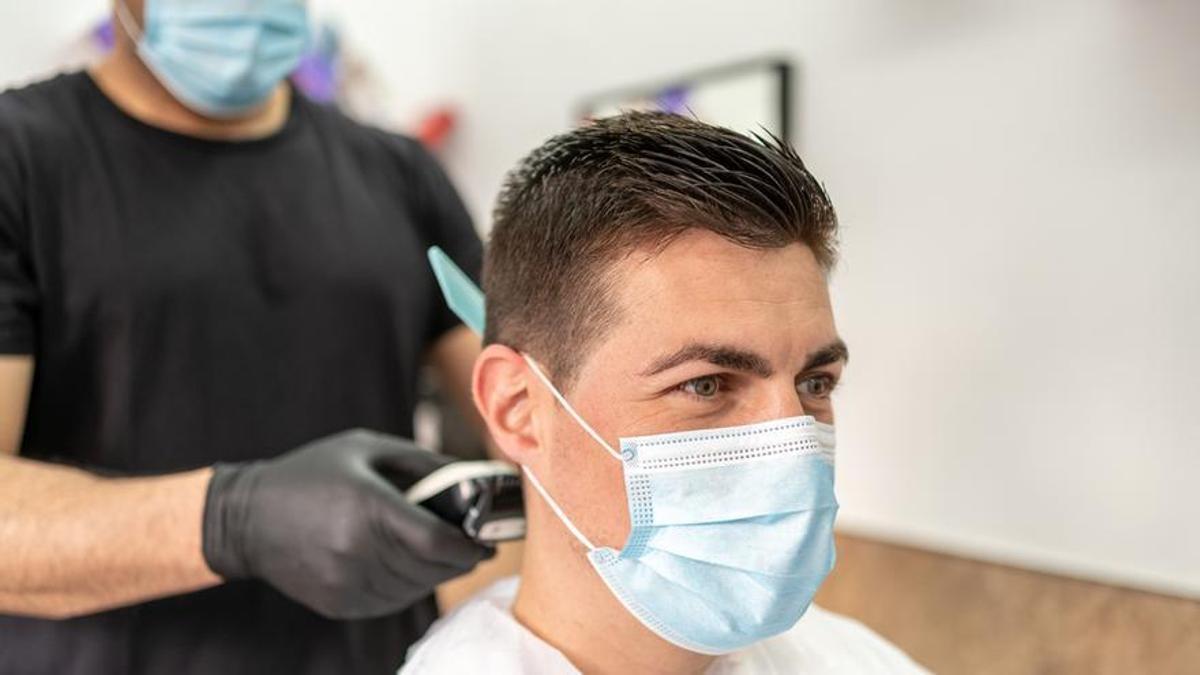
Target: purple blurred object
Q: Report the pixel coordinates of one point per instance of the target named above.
(316, 77)
(317, 74)
(103, 36)
(673, 100)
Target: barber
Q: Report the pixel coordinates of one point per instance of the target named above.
(201, 272)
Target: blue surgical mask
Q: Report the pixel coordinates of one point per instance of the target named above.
(731, 528)
(220, 58)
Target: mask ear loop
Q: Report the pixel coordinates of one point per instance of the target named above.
(586, 427)
(537, 485)
(127, 22)
(556, 509)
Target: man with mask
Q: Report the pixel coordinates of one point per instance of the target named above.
(200, 273)
(660, 355)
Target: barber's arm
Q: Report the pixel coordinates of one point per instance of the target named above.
(326, 524)
(72, 543)
(453, 357)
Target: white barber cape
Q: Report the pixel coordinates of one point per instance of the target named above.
(481, 636)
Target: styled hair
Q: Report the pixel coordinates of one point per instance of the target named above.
(586, 198)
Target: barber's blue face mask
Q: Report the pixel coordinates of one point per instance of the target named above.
(221, 58)
(732, 528)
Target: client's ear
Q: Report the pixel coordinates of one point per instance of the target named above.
(500, 387)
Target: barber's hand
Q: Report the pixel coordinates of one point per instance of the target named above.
(328, 525)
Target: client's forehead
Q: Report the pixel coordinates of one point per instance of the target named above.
(702, 287)
(700, 271)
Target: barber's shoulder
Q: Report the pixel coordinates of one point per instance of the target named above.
(41, 121)
(38, 125)
(381, 154)
(43, 102)
(362, 135)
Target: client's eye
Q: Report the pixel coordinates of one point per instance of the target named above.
(817, 386)
(707, 386)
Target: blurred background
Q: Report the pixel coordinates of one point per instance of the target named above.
(1018, 184)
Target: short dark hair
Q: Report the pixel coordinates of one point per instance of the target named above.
(583, 199)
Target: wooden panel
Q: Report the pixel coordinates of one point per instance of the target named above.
(956, 615)
(964, 616)
(506, 562)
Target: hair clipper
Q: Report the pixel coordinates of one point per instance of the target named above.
(482, 497)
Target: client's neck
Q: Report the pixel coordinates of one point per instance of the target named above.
(564, 602)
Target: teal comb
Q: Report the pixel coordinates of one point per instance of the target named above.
(462, 295)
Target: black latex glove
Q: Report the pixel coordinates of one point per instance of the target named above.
(328, 525)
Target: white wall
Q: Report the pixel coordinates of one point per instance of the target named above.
(34, 38)
(1017, 182)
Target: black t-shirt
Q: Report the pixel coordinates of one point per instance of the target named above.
(192, 301)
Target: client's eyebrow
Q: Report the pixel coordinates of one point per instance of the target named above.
(725, 356)
(831, 353)
(736, 358)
